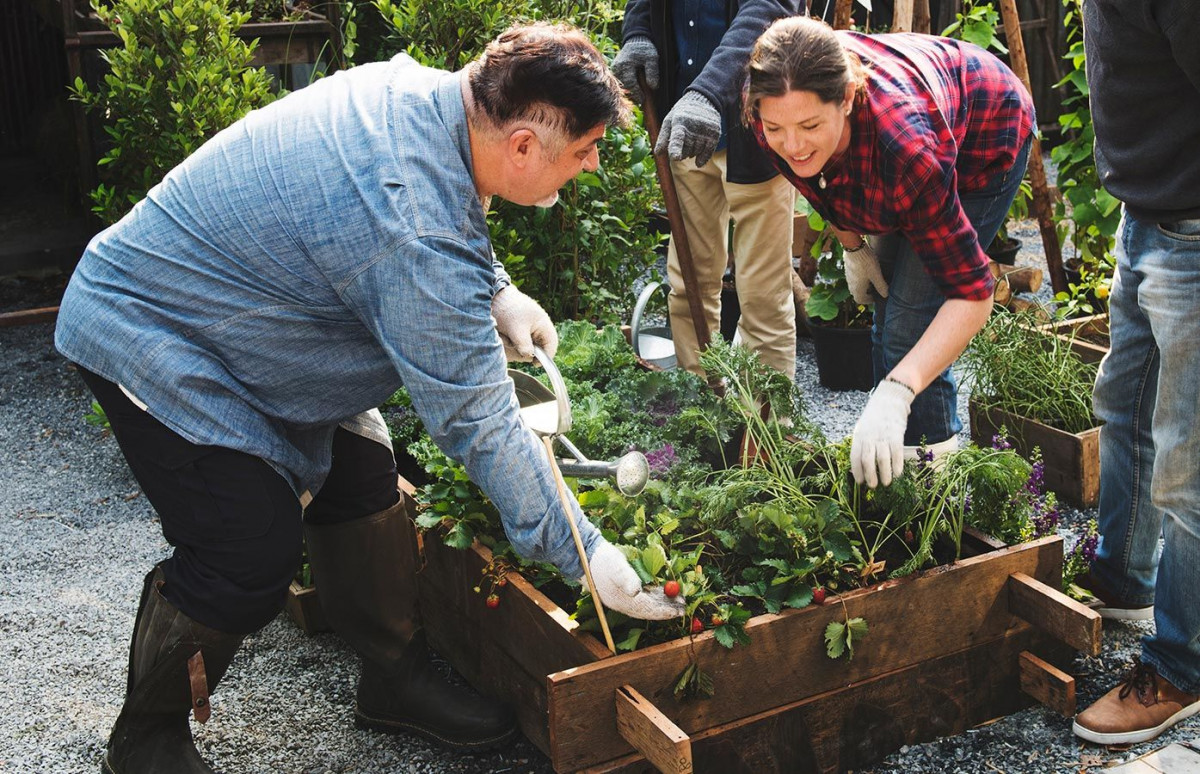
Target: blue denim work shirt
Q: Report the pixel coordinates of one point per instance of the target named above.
(699, 28)
(300, 267)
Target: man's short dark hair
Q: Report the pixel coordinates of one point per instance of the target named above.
(547, 74)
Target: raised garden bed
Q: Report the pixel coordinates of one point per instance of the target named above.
(1072, 460)
(949, 648)
(1087, 336)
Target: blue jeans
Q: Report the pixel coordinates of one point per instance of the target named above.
(1148, 395)
(914, 300)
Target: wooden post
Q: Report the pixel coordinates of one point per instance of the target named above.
(1054, 613)
(1048, 684)
(921, 18)
(1037, 173)
(841, 14)
(902, 16)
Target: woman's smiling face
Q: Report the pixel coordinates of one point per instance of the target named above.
(805, 131)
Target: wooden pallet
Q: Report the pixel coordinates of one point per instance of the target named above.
(948, 648)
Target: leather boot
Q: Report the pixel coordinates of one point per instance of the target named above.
(174, 664)
(365, 573)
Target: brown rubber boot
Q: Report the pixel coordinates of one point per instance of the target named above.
(365, 573)
(174, 664)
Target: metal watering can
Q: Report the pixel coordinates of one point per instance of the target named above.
(547, 412)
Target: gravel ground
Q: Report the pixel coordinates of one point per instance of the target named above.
(76, 537)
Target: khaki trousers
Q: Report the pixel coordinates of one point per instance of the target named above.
(762, 249)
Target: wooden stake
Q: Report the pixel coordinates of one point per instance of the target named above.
(1037, 173)
(548, 442)
(683, 248)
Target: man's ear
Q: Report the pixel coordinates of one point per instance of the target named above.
(521, 144)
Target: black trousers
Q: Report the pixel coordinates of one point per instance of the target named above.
(234, 522)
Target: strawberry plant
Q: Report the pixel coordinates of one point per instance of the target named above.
(781, 529)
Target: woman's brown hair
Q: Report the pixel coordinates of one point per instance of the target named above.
(799, 53)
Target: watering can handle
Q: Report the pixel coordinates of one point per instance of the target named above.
(559, 386)
(639, 311)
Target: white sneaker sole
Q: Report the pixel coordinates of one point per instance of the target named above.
(1123, 613)
(1133, 737)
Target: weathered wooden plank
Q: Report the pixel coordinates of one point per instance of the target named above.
(1055, 613)
(652, 733)
(1072, 460)
(855, 726)
(912, 620)
(1048, 684)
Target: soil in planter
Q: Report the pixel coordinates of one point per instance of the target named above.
(1004, 250)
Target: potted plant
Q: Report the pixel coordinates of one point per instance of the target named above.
(840, 327)
(1038, 388)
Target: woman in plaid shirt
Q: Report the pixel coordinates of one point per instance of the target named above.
(920, 142)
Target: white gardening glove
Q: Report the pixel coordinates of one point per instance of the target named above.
(522, 323)
(692, 128)
(637, 53)
(877, 447)
(863, 274)
(620, 588)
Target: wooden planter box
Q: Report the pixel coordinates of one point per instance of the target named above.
(1072, 460)
(304, 607)
(948, 649)
(1088, 336)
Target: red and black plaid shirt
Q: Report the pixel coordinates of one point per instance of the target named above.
(940, 117)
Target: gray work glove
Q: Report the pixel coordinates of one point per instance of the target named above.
(636, 54)
(522, 323)
(877, 446)
(692, 128)
(620, 588)
(863, 275)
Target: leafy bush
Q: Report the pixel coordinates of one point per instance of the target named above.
(179, 77)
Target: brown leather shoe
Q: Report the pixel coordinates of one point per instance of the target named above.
(1140, 708)
(1109, 605)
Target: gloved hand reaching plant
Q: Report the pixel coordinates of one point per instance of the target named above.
(522, 323)
(692, 128)
(620, 588)
(863, 275)
(877, 446)
(636, 54)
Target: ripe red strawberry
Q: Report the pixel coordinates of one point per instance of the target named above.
(671, 588)
(697, 626)
(819, 595)
(493, 601)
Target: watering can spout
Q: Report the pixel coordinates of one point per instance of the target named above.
(631, 471)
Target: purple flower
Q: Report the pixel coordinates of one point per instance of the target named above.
(1036, 478)
(661, 459)
(1000, 442)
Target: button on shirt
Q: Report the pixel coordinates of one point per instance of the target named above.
(299, 268)
(699, 27)
(941, 116)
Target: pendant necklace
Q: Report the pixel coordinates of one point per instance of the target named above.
(821, 181)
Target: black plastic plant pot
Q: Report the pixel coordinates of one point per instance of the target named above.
(1004, 250)
(843, 357)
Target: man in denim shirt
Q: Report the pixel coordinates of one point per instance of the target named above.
(240, 324)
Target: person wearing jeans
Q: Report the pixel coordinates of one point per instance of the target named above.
(1143, 71)
(920, 142)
